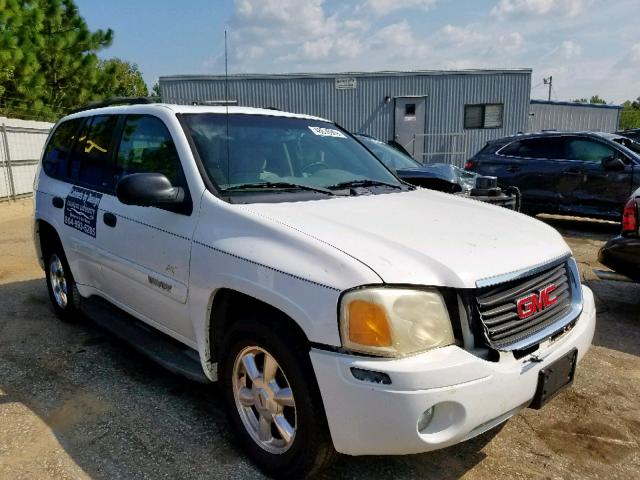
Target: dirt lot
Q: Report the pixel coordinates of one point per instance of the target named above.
(77, 403)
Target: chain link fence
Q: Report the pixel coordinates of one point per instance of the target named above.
(21, 145)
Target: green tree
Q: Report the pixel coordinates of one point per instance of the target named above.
(51, 54)
(594, 100)
(155, 91)
(118, 78)
(630, 115)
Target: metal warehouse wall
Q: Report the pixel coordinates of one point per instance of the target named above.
(363, 109)
(565, 116)
(21, 145)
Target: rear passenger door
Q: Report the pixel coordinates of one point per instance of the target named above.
(537, 167)
(54, 186)
(602, 191)
(89, 179)
(147, 249)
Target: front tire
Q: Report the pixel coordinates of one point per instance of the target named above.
(273, 401)
(62, 289)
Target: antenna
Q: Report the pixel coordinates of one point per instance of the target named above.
(226, 97)
(226, 69)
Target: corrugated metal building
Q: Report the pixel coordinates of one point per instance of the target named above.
(571, 116)
(21, 145)
(436, 115)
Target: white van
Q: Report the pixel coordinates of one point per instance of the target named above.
(341, 309)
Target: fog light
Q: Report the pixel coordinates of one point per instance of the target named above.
(425, 419)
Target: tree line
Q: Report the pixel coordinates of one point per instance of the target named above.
(49, 63)
(629, 116)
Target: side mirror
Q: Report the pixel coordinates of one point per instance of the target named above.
(613, 163)
(148, 190)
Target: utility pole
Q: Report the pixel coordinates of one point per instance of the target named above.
(548, 81)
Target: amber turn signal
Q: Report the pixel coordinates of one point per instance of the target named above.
(368, 324)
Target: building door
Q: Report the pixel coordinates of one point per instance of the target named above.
(410, 116)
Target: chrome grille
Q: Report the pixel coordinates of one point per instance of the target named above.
(498, 311)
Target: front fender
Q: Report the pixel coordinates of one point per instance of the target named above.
(284, 268)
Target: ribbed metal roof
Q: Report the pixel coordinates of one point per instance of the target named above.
(384, 73)
(575, 104)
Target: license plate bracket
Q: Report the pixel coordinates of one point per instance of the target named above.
(554, 378)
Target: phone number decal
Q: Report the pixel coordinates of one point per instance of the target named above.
(81, 210)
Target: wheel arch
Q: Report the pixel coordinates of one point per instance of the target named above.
(44, 235)
(227, 307)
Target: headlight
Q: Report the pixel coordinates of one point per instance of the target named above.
(394, 322)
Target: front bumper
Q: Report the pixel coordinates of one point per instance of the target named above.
(470, 395)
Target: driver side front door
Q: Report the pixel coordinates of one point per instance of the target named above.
(147, 249)
(602, 192)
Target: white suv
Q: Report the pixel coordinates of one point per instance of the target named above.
(341, 309)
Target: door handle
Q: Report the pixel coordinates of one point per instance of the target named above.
(513, 168)
(109, 219)
(58, 202)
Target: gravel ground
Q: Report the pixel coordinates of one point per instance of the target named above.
(77, 403)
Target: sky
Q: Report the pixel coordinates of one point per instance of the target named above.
(588, 46)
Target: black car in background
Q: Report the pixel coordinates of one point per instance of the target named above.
(622, 253)
(589, 174)
(441, 176)
(632, 133)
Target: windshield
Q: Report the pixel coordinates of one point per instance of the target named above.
(257, 152)
(391, 157)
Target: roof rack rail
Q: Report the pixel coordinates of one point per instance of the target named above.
(115, 101)
(215, 103)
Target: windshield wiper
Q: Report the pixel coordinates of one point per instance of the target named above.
(363, 183)
(277, 185)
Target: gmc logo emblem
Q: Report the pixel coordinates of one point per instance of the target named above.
(536, 302)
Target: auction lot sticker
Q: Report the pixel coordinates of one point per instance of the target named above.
(327, 132)
(81, 210)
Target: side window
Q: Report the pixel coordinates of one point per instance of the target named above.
(511, 150)
(487, 115)
(146, 146)
(543, 148)
(410, 110)
(91, 160)
(588, 150)
(473, 116)
(55, 160)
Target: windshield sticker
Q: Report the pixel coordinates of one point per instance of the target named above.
(327, 132)
(81, 210)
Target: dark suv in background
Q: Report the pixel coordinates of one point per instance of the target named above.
(632, 133)
(587, 174)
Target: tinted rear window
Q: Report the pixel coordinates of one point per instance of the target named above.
(91, 162)
(55, 161)
(542, 148)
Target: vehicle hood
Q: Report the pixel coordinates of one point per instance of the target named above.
(423, 237)
(440, 171)
(444, 172)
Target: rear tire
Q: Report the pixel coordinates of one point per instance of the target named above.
(61, 286)
(273, 400)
